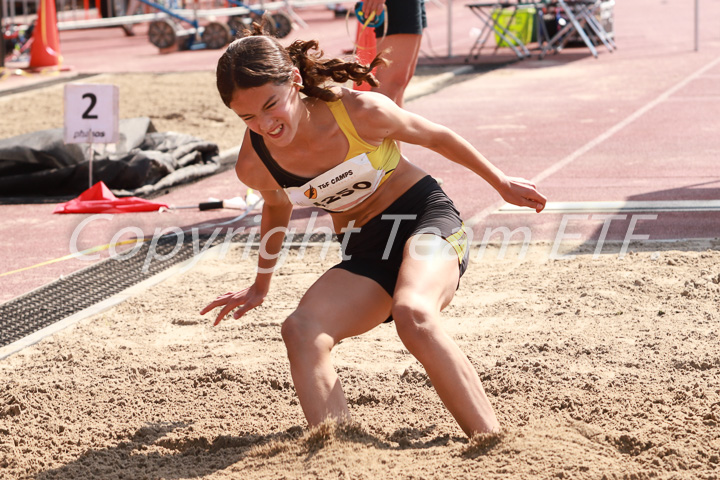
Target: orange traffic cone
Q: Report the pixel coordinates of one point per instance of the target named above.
(45, 48)
(366, 50)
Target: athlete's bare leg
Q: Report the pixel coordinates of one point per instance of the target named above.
(402, 52)
(339, 305)
(425, 286)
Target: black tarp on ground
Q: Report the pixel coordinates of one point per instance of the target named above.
(144, 161)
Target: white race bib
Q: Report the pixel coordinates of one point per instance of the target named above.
(340, 188)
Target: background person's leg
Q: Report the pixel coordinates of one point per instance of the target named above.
(339, 305)
(402, 52)
(426, 284)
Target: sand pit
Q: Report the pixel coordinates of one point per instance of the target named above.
(598, 368)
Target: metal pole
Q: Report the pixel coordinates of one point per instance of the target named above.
(697, 25)
(91, 154)
(449, 27)
(2, 34)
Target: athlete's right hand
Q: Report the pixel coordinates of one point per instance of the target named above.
(246, 299)
(376, 6)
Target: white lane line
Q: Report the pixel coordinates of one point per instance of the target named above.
(600, 138)
(621, 206)
(698, 98)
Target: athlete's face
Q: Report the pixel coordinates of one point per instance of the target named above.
(269, 110)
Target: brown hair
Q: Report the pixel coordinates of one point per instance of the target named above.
(257, 58)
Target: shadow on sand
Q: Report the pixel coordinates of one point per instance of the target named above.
(150, 453)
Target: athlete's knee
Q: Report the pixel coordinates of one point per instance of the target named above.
(415, 320)
(395, 81)
(302, 335)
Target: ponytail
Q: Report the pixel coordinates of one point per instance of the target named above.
(316, 70)
(257, 58)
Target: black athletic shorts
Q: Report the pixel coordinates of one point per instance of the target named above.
(403, 16)
(372, 254)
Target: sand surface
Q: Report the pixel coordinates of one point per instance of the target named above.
(597, 368)
(603, 367)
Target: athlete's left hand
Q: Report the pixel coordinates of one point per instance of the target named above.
(523, 193)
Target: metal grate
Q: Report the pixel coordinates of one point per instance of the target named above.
(55, 301)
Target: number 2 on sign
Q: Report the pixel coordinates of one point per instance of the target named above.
(93, 101)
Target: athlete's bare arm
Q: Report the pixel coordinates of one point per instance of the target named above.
(276, 213)
(376, 116)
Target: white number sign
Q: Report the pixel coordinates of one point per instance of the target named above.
(91, 113)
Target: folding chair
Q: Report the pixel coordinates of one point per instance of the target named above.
(497, 24)
(579, 14)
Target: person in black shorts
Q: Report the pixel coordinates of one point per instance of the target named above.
(313, 143)
(406, 20)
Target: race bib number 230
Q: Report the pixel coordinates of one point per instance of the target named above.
(340, 188)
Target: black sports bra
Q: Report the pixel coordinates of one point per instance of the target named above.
(284, 178)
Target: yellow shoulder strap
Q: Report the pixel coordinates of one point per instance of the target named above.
(357, 144)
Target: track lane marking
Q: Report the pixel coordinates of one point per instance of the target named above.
(619, 206)
(477, 218)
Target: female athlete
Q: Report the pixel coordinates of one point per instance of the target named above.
(403, 242)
